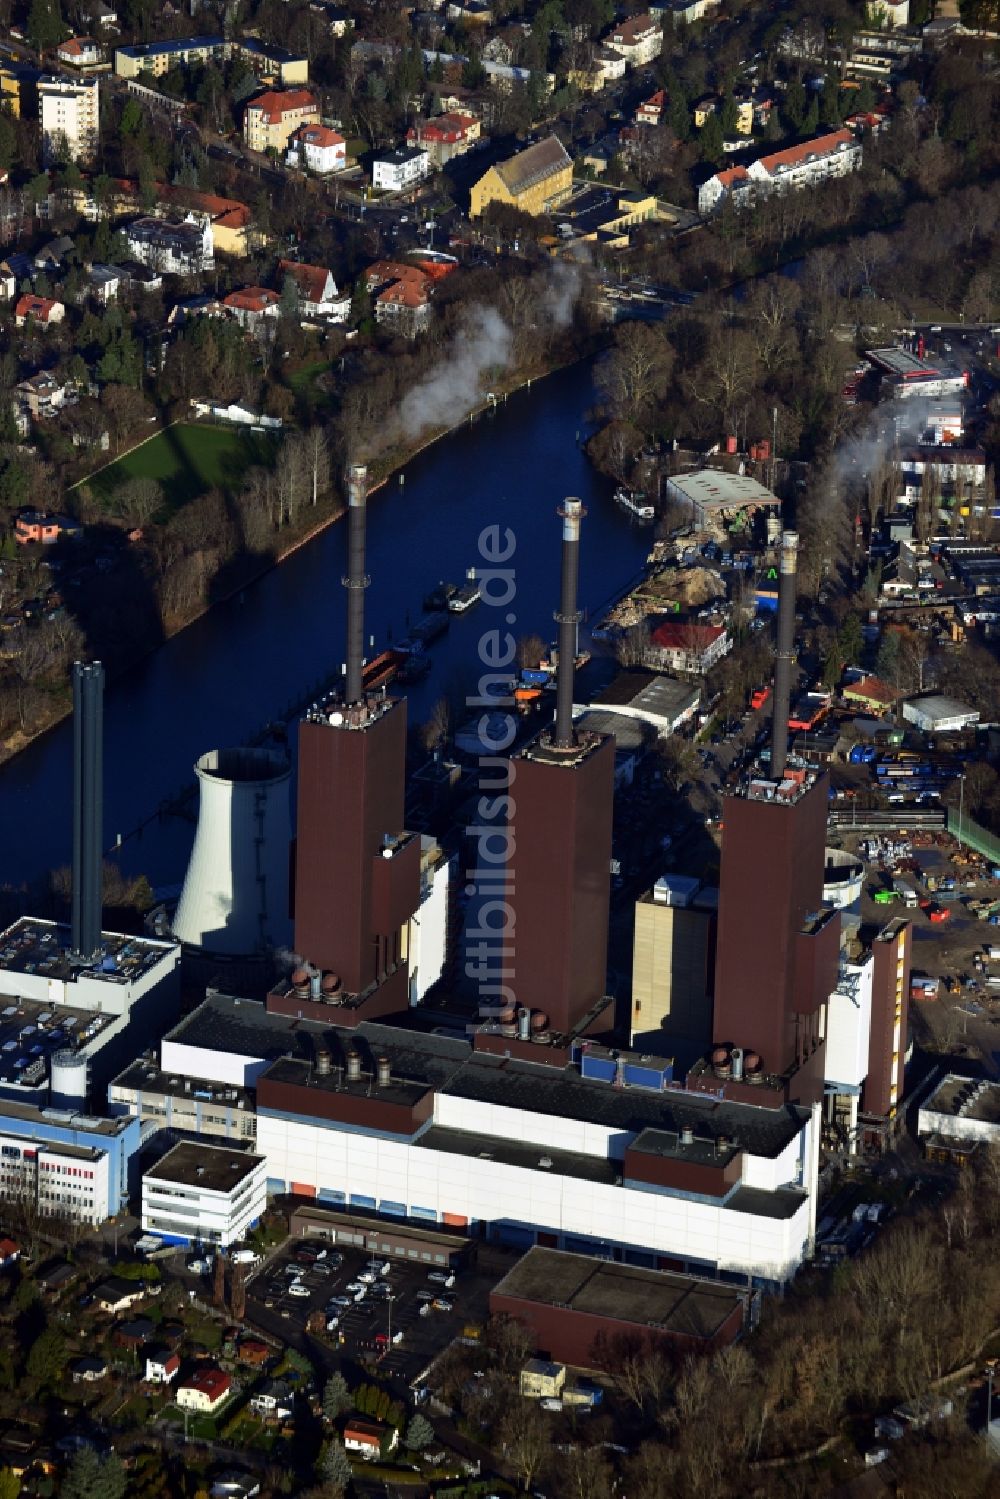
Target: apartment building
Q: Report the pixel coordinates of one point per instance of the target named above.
(273, 118)
(832, 155)
(69, 116)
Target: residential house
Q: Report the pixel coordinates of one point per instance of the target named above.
(395, 171)
(79, 52)
(369, 1439)
(535, 181)
(473, 12)
(687, 646)
(319, 149)
(105, 16)
(8, 285)
(273, 1400)
(153, 59)
(204, 1390)
(271, 119)
(69, 115)
(105, 282)
(162, 1367)
(711, 104)
(115, 1294)
(253, 1352)
(134, 1333)
(498, 50)
(10, 92)
(252, 305)
(609, 65)
(47, 528)
(41, 310)
(796, 167)
(88, 1369)
(404, 307)
(872, 694)
(230, 219)
(42, 396)
(650, 111)
(175, 249)
(53, 255)
(444, 137)
(338, 20)
(638, 39)
(231, 1484)
(684, 12)
(271, 62)
(318, 294)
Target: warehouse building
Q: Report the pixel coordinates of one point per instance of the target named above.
(713, 494)
(581, 1309)
(935, 714)
(961, 1114)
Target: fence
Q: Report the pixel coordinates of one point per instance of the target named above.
(870, 820)
(973, 836)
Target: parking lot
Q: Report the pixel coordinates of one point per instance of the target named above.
(366, 1307)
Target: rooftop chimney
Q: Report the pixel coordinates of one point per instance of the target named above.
(572, 513)
(786, 653)
(88, 805)
(356, 581)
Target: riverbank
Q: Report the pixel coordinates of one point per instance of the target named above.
(244, 572)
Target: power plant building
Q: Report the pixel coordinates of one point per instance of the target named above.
(673, 964)
(408, 1125)
(66, 1165)
(205, 1194)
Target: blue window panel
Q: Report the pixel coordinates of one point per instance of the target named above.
(276, 1185)
(428, 1215)
(357, 1201)
(330, 1194)
(393, 1209)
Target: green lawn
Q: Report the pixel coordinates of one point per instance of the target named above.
(188, 459)
(307, 373)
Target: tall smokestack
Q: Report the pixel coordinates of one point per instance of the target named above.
(572, 513)
(356, 581)
(785, 658)
(88, 805)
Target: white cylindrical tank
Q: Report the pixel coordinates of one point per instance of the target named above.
(235, 895)
(67, 1079)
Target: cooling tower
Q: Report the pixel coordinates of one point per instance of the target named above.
(235, 896)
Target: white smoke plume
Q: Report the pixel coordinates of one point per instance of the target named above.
(480, 350)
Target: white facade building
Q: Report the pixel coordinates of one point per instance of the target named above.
(832, 155)
(962, 1109)
(395, 171)
(319, 149)
(203, 1193)
(638, 39)
(184, 249)
(69, 116)
(515, 1150)
(428, 927)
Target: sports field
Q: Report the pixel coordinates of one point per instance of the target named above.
(187, 459)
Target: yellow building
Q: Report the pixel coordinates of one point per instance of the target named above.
(710, 105)
(535, 180)
(153, 59)
(671, 960)
(272, 118)
(10, 93)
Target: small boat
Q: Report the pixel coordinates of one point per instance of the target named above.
(635, 504)
(469, 594)
(429, 628)
(415, 668)
(440, 597)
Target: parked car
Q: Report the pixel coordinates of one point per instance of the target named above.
(442, 1304)
(245, 1257)
(441, 1278)
(199, 1266)
(298, 1289)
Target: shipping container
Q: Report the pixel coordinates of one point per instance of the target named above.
(637, 1076)
(601, 1068)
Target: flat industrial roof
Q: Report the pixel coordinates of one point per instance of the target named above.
(715, 489)
(517, 1153)
(148, 1077)
(214, 1168)
(966, 1098)
(30, 1031)
(31, 945)
(648, 692)
(449, 1064)
(658, 1299)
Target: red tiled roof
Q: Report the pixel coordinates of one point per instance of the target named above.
(394, 270)
(794, 155)
(39, 308)
(211, 1382)
(673, 635)
(404, 294)
(873, 689)
(310, 279)
(655, 101)
(228, 211)
(274, 105)
(320, 135)
(731, 175)
(76, 46)
(633, 30)
(252, 299)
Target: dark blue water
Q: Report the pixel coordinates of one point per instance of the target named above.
(236, 668)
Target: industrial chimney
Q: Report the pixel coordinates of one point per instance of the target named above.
(356, 581)
(785, 658)
(568, 618)
(88, 806)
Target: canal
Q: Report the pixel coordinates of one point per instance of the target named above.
(230, 672)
